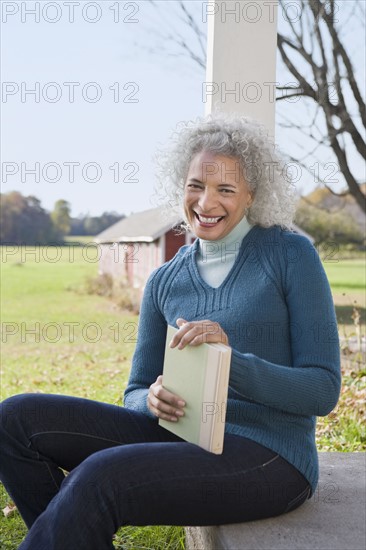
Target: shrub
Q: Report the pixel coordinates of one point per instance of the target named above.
(121, 293)
(324, 226)
(102, 285)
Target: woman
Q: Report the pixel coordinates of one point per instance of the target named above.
(247, 281)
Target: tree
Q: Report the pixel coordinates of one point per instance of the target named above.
(77, 226)
(92, 225)
(327, 77)
(97, 224)
(23, 221)
(60, 217)
(316, 52)
(330, 227)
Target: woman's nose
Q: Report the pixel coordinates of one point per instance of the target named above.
(207, 200)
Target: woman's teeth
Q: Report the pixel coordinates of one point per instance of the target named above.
(204, 219)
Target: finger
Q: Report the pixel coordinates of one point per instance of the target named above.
(209, 337)
(164, 416)
(163, 410)
(190, 329)
(184, 327)
(188, 336)
(196, 331)
(168, 397)
(160, 399)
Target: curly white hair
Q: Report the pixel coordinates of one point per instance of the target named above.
(237, 137)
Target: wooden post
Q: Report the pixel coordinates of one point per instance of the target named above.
(241, 58)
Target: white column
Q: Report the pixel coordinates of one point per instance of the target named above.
(241, 58)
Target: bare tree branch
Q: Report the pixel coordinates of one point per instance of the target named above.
(321, 181)
(318, 12)
(329, 19)
(305, 86)
(200, 36)
(315, 54)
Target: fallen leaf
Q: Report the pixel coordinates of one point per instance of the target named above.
(9, 510)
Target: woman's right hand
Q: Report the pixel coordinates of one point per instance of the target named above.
(164, 404)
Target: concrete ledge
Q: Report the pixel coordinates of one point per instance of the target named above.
(333, 519)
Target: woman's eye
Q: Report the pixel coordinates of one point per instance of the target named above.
(194, 186)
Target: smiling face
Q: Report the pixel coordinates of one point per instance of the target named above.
(215, 195)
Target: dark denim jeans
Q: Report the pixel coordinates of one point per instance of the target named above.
(126, 470)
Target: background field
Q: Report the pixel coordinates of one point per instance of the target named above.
(56, 338)
(348, 280)
(81, 343)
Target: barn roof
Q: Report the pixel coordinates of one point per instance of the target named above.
(146, 226)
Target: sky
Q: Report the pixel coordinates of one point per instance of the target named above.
(103, 102)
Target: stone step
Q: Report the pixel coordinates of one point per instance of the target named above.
(333, 519)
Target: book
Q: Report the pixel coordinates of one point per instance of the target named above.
(200, 376)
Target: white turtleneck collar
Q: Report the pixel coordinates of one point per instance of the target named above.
(216, 258)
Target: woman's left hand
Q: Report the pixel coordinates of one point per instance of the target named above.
(194, 333)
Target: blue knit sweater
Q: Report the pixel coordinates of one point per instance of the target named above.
(276, 307)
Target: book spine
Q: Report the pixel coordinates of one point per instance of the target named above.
(221, 400)
(210, 409)
(218, 433)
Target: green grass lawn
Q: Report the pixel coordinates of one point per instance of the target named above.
(58, 339)
(346, 275)
(348, 282)
(75, 240)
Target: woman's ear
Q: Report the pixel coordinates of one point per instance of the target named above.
(250, 199)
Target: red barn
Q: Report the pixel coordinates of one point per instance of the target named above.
(131, 248)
